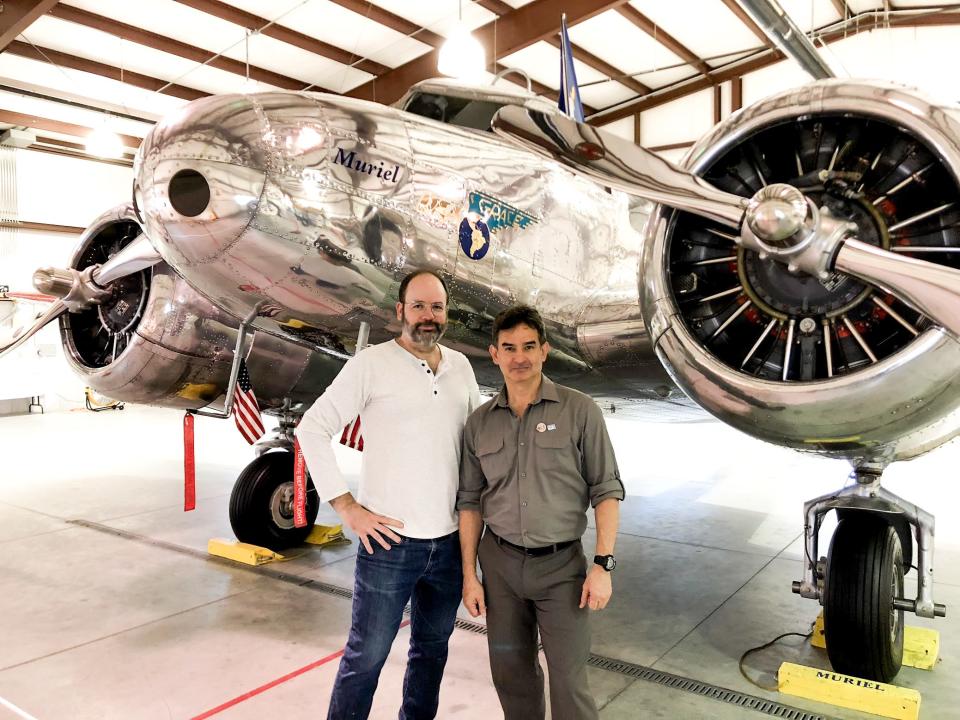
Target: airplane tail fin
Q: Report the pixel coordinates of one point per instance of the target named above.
(569, 100)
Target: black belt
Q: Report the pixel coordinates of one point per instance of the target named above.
(534, 551)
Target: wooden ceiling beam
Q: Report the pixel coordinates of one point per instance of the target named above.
(671, 146)
(664, 38)
(877, 19)
(587, 58)
(497, 7)
(284, 34)
(51, 146)
(172, 47)
(862, 22)
(604, 67)
(513, 31)
(394, 22)
(690, 86)
(9, 117)
(18, 15)
(63, 59)
(427, 37)
(42, 227)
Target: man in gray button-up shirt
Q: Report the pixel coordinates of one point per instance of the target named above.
(533, 458)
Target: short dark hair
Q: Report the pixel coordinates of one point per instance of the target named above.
(402, 293)
(519, 315)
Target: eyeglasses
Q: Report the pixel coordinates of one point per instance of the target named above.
(435, 308)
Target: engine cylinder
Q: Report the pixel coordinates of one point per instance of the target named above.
(157, 341)
(834, 366)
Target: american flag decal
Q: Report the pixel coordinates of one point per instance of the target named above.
(351, 436)
(246, 412)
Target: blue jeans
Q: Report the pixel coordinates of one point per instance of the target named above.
(428, 573)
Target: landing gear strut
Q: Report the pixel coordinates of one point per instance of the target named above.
(861, 583)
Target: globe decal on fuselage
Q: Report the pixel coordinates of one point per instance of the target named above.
(474, 238)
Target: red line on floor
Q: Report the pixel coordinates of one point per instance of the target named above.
(273, 683)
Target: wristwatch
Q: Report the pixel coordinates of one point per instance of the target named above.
(607, 562)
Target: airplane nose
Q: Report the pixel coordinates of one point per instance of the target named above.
(270, 199)
(200, 177)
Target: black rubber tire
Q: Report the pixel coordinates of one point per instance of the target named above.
(251, 515)
(863, 632)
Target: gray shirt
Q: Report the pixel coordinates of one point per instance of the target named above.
(531, 478)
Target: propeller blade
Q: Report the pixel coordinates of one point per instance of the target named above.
(80, 289)
(136, 256)
(932, 289)
(23, 334)
(619, 163)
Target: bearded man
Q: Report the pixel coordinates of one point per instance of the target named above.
(413, 396)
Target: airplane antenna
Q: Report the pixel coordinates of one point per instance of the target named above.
(518, 71)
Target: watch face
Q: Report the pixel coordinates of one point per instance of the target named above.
(607, 562)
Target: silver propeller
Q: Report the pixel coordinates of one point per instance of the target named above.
(25, 333)
(78, 290)
(778, 221)
(611, 160)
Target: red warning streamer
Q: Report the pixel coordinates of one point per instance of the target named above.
(299, 486)
(189, 465)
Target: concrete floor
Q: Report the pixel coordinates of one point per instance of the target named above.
(138, 623)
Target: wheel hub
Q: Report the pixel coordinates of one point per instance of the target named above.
(896, 589)
(281, 505)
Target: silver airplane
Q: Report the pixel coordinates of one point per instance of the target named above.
(796, 278)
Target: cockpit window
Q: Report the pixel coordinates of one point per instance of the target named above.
(464, 112)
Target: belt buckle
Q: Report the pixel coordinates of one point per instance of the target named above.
(542, 551)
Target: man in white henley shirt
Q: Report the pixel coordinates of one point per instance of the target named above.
(413, 397)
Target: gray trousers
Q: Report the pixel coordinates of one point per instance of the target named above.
(522, 594)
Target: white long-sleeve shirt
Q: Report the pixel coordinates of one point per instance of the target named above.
(412, 423)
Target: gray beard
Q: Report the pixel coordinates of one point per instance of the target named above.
(426, 340)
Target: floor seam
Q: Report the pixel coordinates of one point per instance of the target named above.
(31, 510)
(123, 631)
(722, 604)
(705, 547)
(160, 509)
(617, 694)
(33, 535)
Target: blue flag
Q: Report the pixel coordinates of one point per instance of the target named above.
(569, 101)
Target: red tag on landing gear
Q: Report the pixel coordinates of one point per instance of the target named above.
(189, 466)
(299, 486)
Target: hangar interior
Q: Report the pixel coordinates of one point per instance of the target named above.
(112, 607)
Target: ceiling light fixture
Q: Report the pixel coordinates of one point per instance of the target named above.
(462, 56)
(102, 142)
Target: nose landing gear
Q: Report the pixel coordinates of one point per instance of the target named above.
(861, 586)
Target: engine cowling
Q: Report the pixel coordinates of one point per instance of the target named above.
(833, 366)
(157, 341)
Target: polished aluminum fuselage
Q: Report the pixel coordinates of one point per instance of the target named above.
(320, 205)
